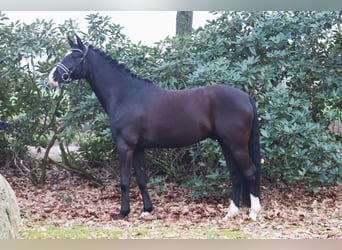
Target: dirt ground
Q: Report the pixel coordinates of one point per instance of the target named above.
(66, 200)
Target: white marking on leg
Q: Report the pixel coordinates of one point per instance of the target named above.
(233, 210)
(51, 81)
(255, 207)
(145, 214)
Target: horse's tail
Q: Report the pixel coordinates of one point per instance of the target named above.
(254, 153)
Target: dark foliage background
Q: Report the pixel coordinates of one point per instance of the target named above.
(290, 62)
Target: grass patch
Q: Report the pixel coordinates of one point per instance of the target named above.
(74, 232)
(228, 234)
(146, 230)
(157, 230)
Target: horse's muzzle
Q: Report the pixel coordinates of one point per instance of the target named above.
(51, 79)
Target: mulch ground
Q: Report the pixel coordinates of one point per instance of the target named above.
(288, 212)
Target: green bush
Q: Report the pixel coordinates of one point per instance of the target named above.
(290, 62)
(294, 147)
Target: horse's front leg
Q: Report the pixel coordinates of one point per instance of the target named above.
(139, 164)
(126, 161)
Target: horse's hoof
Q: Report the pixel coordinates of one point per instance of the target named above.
(253, 216)
(145, 214)
(233, 211)
(120, 216)
(255, 207)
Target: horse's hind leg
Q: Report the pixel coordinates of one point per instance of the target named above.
(244, 177)
(236, 191)
(139, 164)
(242, 157)
(236, 184)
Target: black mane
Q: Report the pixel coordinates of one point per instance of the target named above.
(117, 65)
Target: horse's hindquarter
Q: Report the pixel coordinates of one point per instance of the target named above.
(233, 113)
(230, 104)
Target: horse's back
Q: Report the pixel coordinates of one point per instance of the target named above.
(208, 104)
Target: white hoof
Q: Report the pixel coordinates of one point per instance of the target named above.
(233, 210)
(145, 214)
(255, 207)
(253, 215)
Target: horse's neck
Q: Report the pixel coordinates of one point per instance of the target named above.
(109, 83)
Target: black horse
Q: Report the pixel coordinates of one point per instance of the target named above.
(143, 115)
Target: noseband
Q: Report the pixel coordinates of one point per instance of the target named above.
(66, 75)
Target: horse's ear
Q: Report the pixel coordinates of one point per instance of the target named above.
(80, 44)
(71, 42)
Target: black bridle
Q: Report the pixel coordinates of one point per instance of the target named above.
(66, 77)
(66, 73)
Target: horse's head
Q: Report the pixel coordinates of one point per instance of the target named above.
(72, 66)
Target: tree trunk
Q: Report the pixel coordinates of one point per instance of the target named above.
(184, 22)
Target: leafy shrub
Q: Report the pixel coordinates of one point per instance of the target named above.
(269, 55)
(290, 62)
(294, 147)
(215, 184)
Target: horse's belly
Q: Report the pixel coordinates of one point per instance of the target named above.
(173, 137)
(169, 142)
